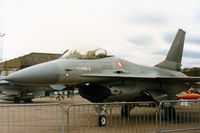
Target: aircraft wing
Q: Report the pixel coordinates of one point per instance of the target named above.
(115, 76)
(130, 76)
(194, 79)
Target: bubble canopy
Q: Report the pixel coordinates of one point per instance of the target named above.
(86, 52)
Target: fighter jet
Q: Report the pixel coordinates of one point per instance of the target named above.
(102, 77)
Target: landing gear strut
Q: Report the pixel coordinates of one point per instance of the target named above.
(169, 113)
(125, 111)
(101, 110)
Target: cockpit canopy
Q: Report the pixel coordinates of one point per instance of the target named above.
(86, 52)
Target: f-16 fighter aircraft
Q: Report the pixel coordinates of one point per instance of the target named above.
(102, 77)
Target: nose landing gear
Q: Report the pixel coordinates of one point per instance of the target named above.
(101, 109)
(102, 120)
(169, 113)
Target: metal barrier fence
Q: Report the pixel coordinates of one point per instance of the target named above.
(184, 116)
(112, 118)
(126, 117)
(31, 118)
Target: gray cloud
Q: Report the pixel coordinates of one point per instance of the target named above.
(193, 40)
(141, 40)
(197, 16)
(163, 52)
(148, 19)
(186, 53)
(191, 54)
(170, 37)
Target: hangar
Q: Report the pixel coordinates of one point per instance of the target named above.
(195, 71)
(21, 62)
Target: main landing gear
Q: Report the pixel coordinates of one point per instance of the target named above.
(169, 113)
(126, 109)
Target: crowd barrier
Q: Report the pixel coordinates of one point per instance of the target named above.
(125, 117)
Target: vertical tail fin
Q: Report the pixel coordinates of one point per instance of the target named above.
(174, 56)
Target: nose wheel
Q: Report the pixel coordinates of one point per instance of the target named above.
(101, 110)
(102, 120)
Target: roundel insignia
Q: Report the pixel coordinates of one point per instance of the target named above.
(114, 64)
(119, 64)
(178, 43)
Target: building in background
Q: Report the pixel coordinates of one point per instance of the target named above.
(18, 63)
(195, 71)
(1, 46)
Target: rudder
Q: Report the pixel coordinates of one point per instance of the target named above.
(174, 56)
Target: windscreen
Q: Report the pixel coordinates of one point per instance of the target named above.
(87, 52)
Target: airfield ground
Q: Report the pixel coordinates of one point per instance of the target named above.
(51, 120)
(67, 101)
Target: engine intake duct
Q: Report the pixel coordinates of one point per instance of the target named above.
(94, 92)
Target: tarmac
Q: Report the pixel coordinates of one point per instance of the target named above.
(48, 119)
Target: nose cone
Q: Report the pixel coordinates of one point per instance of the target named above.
(45, 73)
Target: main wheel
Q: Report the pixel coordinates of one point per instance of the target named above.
(125, 111)
(102, 120)
(170, 113)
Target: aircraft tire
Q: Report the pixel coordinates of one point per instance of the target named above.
(102, 120)
(125, 111)
(16, 100)
(28, 101)
(170, 113)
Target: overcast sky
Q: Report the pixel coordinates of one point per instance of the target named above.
(139, 31)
